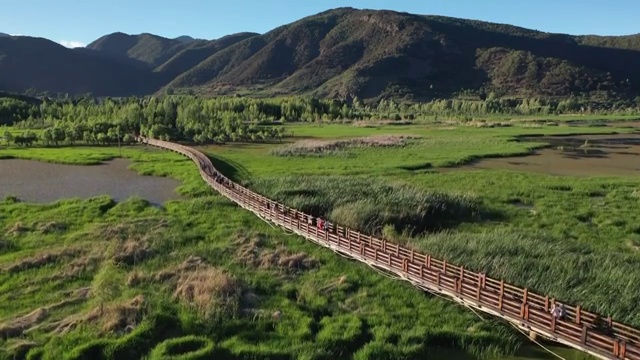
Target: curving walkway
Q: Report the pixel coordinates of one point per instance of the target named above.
(580, 329)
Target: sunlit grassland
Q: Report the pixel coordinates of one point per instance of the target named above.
(574, 238)
(337, 308)
(547, 233)
(439, 146)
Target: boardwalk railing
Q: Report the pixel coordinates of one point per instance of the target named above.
(580, 329)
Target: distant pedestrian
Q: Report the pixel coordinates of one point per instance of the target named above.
(558, 311)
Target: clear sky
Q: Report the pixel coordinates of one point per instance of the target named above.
(82, 21)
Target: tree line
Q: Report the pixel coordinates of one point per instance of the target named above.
(224, 119)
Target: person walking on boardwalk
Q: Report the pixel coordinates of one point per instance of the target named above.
(558, 311)
(320, 224)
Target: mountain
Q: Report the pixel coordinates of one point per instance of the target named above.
(347, 52)
(4, 35)
(184, 39)
(36, 63)
(340, 53)
(149, 49)
(197, 52)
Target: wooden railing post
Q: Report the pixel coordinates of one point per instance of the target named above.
(479, 287)
(428, 261)
(501, 295)
(584, 334)
(578, 314)
(546, 303)
(525, 295)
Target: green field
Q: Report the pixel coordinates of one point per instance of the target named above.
(95, 279)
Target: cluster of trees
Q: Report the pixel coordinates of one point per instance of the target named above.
(493, 105)
(187, 118)
(223, 119)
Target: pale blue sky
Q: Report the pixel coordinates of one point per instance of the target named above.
(83, 21)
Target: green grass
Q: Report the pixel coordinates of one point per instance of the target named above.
(551, 234)
(439, 146)
(338, 308)
(329, 311)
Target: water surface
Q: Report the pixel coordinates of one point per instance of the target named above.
(34, 181)
(583, 155)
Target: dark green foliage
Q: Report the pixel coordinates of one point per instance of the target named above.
(93, 350)
(35, 354)
(184, 348)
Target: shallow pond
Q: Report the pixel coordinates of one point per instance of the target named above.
(583, 155)
(34, 181)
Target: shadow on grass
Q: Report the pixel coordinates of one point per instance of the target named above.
(229, 168)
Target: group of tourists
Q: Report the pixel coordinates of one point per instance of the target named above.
(321, 224)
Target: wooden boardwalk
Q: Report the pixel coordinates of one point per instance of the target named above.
(586, 331)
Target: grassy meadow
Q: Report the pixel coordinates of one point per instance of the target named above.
(203, 279)
(574, 238)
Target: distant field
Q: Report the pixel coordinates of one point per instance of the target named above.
(201, 273)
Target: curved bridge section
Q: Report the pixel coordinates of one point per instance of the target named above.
(580, 329)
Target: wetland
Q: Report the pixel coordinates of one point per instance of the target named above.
(41, 182)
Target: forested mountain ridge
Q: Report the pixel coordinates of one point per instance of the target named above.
(342, 53)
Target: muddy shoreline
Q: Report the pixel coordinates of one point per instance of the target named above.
(571, 155)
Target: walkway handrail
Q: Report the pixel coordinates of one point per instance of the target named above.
(580, 329)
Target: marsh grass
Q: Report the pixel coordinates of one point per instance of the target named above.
(577, 273)
(334, 147)
(337, 308)
(325, 311)
(370, 205)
